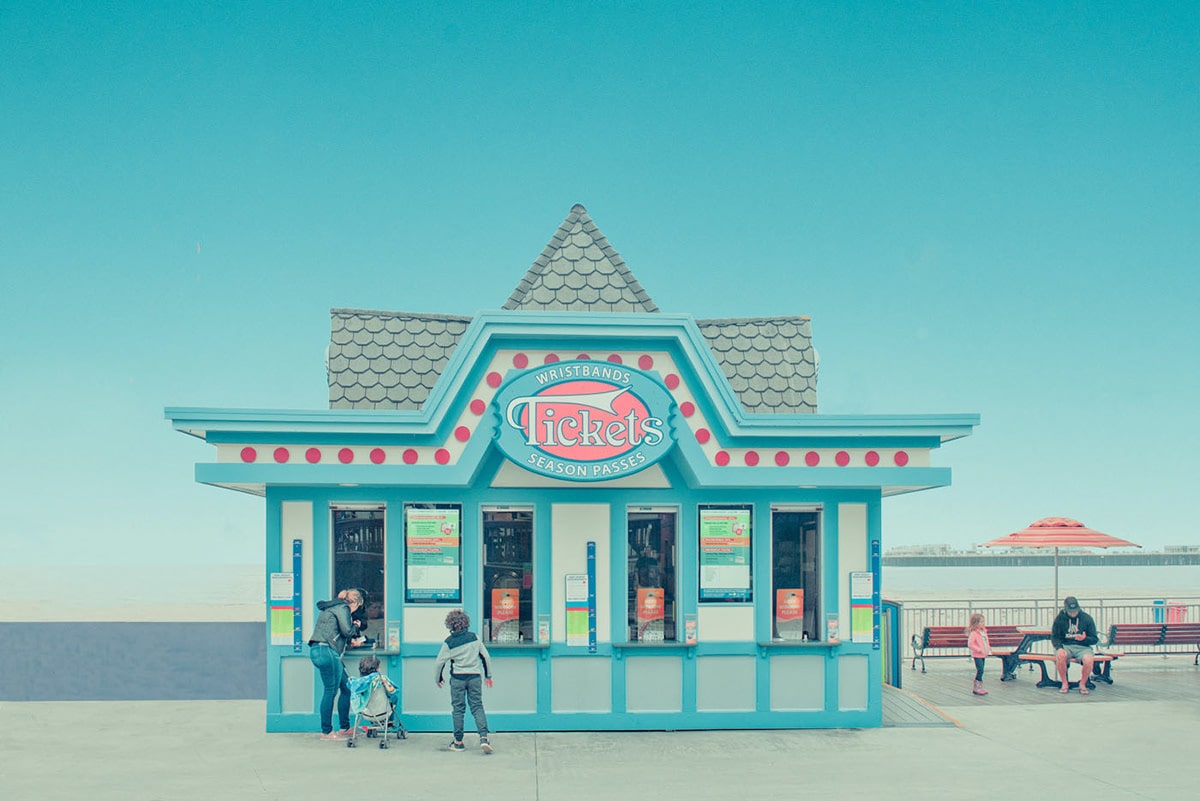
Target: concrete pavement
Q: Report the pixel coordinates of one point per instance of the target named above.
(180, 750)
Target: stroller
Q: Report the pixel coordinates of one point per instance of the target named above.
(373, 712)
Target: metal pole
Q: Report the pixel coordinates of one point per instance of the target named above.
(1056, 576)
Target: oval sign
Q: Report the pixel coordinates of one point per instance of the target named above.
(584, 421)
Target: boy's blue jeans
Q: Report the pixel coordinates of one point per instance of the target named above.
(333, 676)
(464, 690)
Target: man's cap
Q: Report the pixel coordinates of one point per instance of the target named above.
(1071, 604)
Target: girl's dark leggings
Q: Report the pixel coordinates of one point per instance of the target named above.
(979, 663)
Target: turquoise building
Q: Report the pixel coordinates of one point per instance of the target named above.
(643, 513)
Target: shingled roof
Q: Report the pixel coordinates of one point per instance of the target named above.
(579, 271)
(391, 360)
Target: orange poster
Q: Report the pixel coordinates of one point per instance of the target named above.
(506, 614)
(650, 613)
(789, 613)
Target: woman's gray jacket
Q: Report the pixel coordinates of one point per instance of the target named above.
(333, 625)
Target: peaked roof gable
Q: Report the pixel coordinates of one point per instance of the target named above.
(579, 271)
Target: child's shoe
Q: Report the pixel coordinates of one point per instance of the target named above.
(456, 746)
(485, 745)
(979, 689)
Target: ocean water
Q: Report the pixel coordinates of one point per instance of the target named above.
(909, 584)
(237, 592)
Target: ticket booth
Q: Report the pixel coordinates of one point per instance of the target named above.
(643, 513)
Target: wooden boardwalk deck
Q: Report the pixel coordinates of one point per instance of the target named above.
(947, 685)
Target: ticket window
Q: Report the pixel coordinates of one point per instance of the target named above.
(359, 537)
(653, 612)
(508, 575)
(795, 571)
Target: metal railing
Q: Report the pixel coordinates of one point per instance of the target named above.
(918, 614)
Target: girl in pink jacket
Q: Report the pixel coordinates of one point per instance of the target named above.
(981, 649)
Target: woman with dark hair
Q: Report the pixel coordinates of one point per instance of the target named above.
(332, 633)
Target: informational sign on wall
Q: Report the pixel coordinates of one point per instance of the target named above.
(282, 617)
(577, 608)
(862, 611)
(432, 554)
(725, 555)
(651, 612)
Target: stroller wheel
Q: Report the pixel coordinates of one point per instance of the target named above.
(383, 743)
(349, 743)
(402, 733)
(370, 732)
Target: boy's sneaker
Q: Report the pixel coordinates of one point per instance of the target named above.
(333, 735)
(456, 746)
(486, 746)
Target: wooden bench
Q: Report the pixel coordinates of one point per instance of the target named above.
(1101, 665)
(1155, 635)
(1003, 640)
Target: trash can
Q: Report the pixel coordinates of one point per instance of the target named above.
(1176, 612)
(1160, 610)
(890, 617)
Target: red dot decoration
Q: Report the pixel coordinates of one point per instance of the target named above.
(520, 361)
(345, 456)
(615, 358)
(901, 458)
(493, 380)
(377, 456)
(812, 458)
(703, 435)
(672, 381)
(249, 454)
(782, 458)
(462, 433)
(550, 358)
(312, 455)
(583, 357)
(478, 406)
(645, 361)
(722, 458)
(441, 456)
(842, 458)
(687, 408)
(751, 458)
(282, 455)
(872, 458)
(409, 456)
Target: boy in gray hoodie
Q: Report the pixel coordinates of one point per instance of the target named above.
(470, 668)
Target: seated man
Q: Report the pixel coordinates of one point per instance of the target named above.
(1073, 635)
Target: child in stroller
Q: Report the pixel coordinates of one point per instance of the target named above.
(373, 701)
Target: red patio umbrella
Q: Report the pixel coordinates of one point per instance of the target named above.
(1058, 532)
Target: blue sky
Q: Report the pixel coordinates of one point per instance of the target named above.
(984, 208)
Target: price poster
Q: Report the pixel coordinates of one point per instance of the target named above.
(282, 590)
(862, 609)
(725, 555)
(577, 608)
(432, 550)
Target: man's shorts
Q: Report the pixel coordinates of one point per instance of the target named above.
(1076, 651)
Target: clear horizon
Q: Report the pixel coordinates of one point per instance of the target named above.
(989, 210)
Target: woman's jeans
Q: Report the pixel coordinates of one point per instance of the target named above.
(464, 690)
(333, 676)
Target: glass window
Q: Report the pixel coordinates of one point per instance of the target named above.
(795, 574)
(358, 562)
(508, 574)
(433, 553)
(725, 565)
(650, 566)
